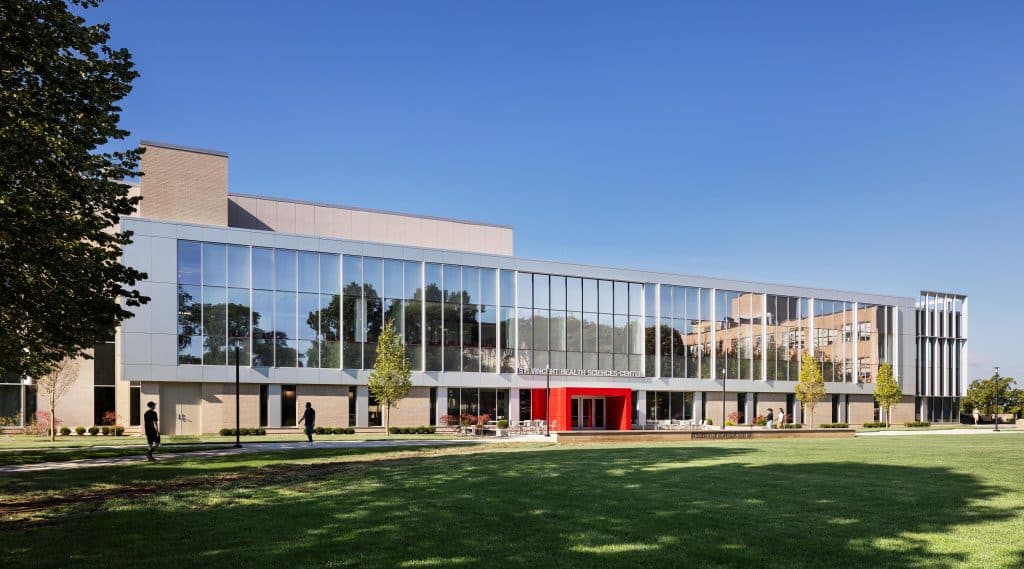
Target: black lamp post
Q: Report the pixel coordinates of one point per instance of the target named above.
(995, 397)
(547, 402)
(723, 399)
(238, 429)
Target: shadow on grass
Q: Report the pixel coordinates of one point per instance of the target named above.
(698, 506)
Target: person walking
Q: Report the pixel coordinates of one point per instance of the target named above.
(781, 418)
(152, 427)
(769, 417)
(309, 418)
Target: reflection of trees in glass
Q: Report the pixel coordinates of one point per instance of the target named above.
(264, 344)
(327, 345)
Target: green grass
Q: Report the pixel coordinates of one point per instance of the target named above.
(901, 502)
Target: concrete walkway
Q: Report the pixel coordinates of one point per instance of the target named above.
(986, 430)
(231, 451)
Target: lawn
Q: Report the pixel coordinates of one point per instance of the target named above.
(937, 501)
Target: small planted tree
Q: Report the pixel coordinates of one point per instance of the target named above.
(54, 384)
(389, 381)
(810, 390)
(887, 390)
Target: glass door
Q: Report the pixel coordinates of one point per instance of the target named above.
(587, 413)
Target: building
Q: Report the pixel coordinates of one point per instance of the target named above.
(300, 292)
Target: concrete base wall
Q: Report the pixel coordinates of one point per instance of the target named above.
(715, 406)
(329, 401)
(414, 410)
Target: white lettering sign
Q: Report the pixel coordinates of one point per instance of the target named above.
(578, 372)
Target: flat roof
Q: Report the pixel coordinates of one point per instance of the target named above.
(184, 148)
(370, 210)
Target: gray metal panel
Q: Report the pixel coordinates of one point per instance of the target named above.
(163, 251)
(164, 349)
(163, 308)
(135, 348)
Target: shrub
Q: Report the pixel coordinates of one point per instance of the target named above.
(93, 430)
(105, 429)
(431, 430)
(708, 422)
(338, 431)
(393, 430)
(875, 425)
(917, 424)
(409, 430)
(350, 431)
(761, 421)
(227, 432)
(80, 430)
(503, 424)
(318, 430)
(109, 418)
(729, 423)
(834, 425)
(65, 431)
(118, 430)
(260, 431)
(792, 426)
(735, 418)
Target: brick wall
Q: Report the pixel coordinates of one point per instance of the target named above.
(329, 401)
(414, 410)
(184, 185)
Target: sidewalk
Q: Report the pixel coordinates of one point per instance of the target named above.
(985, 430)
(258, 447)
(220, 452)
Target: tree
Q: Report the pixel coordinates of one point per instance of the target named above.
(65, 289)
(992, 396)
(54, 384)
(389, 381)
(887, 390)
(810, 389)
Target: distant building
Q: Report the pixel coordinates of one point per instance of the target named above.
(303, 290)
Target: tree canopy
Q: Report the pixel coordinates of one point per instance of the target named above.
(887, 390)
(810, 389)
(61, 193)
(996, 394)
(389, 381)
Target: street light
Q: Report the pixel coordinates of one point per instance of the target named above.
(238, 429)
(723, 399)
(995, 396)
(547, 402)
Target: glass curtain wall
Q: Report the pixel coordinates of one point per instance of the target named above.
(738, 318)
(664, 405)
(474, 401)
(685, 331)
(575, 323)
(507, 321)
(787, 322)
(833, 338)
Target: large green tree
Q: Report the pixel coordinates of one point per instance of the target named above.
(810, 389)
(992, 396)
(887, 390)
(61, 189)
(390, 380)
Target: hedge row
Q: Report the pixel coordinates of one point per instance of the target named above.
(791, 426)
(917, 424)
(255, 431)
(875, 425)
(334, 430)
(834, 425)
(116, 430)
(412, 430)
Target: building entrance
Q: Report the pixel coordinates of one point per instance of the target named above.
(588, 413)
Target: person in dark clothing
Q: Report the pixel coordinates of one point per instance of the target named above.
(309, 418)
(152, 425)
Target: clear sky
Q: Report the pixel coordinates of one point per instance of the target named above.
(874, 146)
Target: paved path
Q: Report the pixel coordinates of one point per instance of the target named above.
(231, 451)
(987, 430)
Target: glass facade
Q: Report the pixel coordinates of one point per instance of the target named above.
(288, 308)
(576, 323)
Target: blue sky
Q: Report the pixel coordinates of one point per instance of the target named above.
(875, 146)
